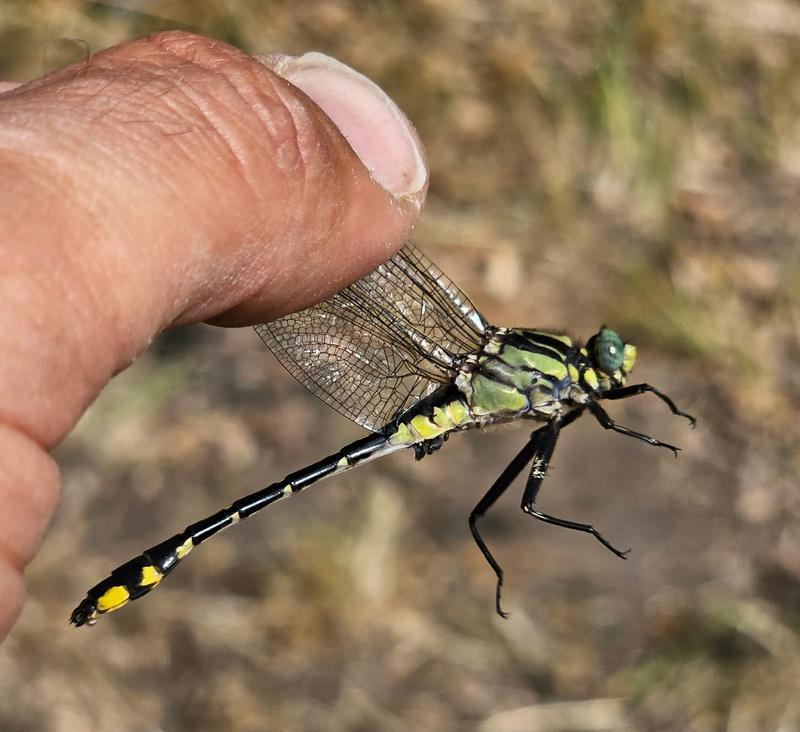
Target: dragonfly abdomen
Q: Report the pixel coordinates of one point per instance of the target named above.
(141, 574)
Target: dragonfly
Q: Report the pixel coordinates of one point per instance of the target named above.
(404, 354)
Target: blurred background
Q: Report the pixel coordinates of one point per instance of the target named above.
(635, 163)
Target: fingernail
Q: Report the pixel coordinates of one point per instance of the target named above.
(379, 133)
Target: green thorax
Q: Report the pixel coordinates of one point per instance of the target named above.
(517, 373)
(526, 372)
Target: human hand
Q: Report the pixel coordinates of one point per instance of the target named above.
(167, 181)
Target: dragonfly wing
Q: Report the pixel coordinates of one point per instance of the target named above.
(381, 344)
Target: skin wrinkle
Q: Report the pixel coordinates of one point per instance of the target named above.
(65, 278)
(123, 98)
(178, 100)
(168, 98)
(228, 138)
(274, 113)
(204, 52)
(297, 146)
(219, 129)
(150, 74)
(327, 170)
(302, 159)
(287, 101)
(288, 148)
(241, 165)
(72, 287)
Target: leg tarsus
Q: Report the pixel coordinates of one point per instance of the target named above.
(624, 392)
(493, 563)
(606, 422)
(574, 525)
(506, 478)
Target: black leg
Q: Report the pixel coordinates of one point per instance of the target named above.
(624, 392)
(541, 463)
(507, 477)
(606, 422)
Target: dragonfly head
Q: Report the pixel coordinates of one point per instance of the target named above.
(611, 358)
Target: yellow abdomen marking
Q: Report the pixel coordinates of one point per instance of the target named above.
(184, 549)
(150, 576)
(426, 428)
(113, 599)
(401, 436)
(451, 415)
(458, 413)
(445, 418)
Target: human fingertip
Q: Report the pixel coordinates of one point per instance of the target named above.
(8, 86)
(376, 129)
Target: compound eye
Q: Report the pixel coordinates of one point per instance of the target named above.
(609, 351)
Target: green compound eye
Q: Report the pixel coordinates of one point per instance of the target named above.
(609, 350)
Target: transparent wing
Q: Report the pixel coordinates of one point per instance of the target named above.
(381, 344)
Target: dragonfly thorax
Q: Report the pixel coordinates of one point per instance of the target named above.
(521, 372)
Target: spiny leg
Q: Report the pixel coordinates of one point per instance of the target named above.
(606, 422)
(541, 463)
(624, 392)
(506, 478)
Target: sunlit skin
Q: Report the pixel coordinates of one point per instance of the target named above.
(232, 199)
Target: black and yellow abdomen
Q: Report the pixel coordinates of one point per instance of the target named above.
(444, 411)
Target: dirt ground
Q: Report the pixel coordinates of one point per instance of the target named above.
(634, 163)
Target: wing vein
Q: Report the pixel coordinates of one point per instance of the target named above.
(381, 344)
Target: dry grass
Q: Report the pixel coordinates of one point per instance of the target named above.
(636, 162)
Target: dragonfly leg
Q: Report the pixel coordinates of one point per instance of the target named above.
(624, 392)
(567, 524)
(428, 447)
(506, 478)
(541, 463)
(606, 422)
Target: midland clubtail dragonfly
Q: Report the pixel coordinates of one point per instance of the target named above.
(404, 353)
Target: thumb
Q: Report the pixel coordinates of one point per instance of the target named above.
(170, 180)
(176, 179)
